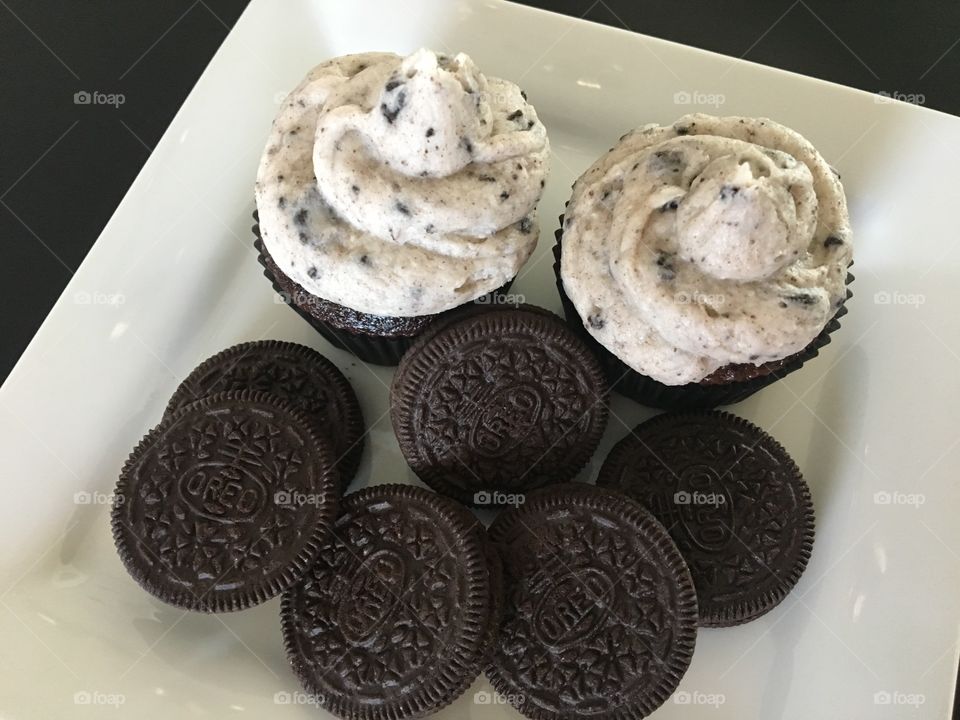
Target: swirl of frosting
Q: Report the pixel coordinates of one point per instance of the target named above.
(402, 186)
(710, 242)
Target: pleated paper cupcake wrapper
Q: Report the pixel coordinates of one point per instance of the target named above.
(371, 348)
(693, 396)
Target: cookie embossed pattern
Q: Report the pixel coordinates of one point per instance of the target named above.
(397, 615)
(199, 518)
(496, 402)
(732, 499)
(294, 373)
(600, 612)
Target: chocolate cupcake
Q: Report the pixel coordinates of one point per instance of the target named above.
(392, 190)
(706, 259)
(399, 613)
(496, 402)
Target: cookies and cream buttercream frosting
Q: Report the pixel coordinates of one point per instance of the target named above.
(402, 186)
(709, 242)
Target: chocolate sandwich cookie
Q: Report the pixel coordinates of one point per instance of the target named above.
(493, 404)
(732, 499)
(600, 614)
(225, 503)
(396, 617)
(292, 372)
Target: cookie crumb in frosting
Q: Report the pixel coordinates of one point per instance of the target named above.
(391, 111)
(417, 137)
(802, 299)
(737, 272)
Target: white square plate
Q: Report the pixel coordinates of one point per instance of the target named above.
(872, 628)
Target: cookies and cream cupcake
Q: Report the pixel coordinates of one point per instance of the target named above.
(393, 189)
(707, 258)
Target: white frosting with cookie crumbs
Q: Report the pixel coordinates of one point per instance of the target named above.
(709, 242)
(402, 186)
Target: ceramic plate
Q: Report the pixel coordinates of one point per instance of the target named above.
(872, 628)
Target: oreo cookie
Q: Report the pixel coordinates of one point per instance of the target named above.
(600, 613)
(225, 503)
(398, 614)
(292, 372)
(732, 499)
(492, 404)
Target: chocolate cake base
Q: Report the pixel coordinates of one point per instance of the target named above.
(376, 339)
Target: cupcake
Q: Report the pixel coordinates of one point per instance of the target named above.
(706, 259)
(392, 190)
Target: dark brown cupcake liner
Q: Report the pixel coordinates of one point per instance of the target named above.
(387, 338)
(692, 396)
